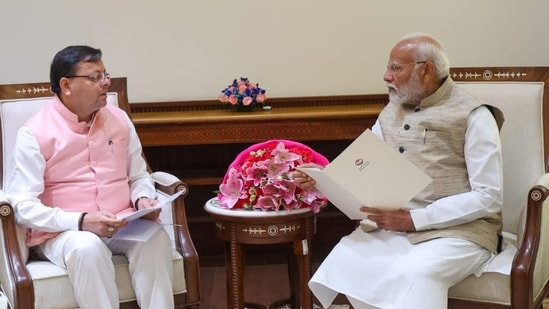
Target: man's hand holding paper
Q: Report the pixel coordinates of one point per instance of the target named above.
(152, 209)
(398, 220)
(303, 180)
(146, 203)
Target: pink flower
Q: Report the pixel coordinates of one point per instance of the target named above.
(316, 205)
(309, 196)
(255, 174)
(233, 99)
(261, 98)
(267, 203)
(288, 187)
(231, 192)
(247, 101)
(282, 155)
(273, 168)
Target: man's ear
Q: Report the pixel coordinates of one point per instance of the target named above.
(65, 86)
(429, 70)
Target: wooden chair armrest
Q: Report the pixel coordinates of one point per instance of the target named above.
(22, 289)
(522, 271)
(169, 184)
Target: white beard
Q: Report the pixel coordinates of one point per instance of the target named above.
(409, 94)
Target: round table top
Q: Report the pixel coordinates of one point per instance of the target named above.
(213, 206)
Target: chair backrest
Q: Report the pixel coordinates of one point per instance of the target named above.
(20, 101)
(522, 94)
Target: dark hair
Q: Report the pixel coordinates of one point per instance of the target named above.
(66, 62)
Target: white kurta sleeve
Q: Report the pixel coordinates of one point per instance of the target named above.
(141, 183)
(27, 183)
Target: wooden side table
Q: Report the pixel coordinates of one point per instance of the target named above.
(238, 227)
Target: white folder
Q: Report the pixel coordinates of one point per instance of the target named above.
(368, 173)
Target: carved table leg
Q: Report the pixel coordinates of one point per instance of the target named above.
(302, 249)
(235, 271)
(293, 275)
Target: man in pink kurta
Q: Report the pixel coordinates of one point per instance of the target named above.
(77, 164)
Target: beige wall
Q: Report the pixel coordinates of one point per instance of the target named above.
(186, 50)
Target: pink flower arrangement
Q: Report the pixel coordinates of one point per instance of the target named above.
(243, 93)
(260, 178)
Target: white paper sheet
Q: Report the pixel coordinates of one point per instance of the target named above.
(371, 173)
(138, 230)
(140, 213)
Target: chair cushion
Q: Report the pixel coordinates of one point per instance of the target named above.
(53, 289)
(493, 285)
(489, 287)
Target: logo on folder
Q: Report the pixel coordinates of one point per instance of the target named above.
(361, 164)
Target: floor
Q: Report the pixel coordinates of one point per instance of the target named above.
(263, 284)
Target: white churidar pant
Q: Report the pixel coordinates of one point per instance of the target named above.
(87, 259)
(382, 269)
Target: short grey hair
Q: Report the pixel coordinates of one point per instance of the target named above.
(426, 50)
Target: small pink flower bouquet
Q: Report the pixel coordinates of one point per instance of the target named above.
(260, 178)
(243, 93)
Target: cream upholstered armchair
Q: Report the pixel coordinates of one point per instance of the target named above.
(32, 283)
(523, 96)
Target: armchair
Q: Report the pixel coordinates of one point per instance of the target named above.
(523, 96)
(30, 283)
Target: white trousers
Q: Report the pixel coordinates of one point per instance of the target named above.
(384, 270)
(87, 259)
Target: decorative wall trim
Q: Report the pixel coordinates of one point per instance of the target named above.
(487, 75)
(498, 73)
(33, 90)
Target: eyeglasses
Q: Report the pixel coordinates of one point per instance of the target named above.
(99, 77)
(395, 68)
